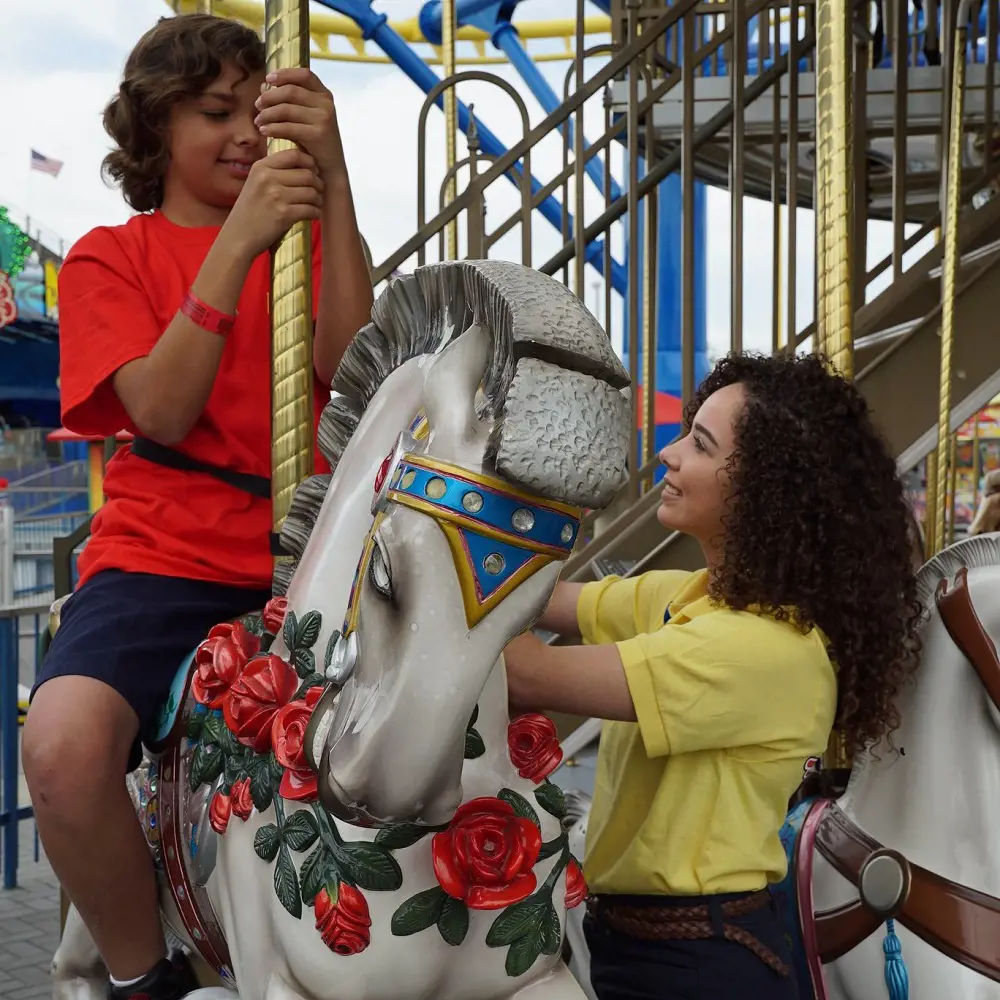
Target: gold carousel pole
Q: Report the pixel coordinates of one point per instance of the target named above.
(834, 217)
(949, 273)
(450, 120)
(286, 33)
(834, 185)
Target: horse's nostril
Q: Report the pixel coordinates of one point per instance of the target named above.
(344, 659)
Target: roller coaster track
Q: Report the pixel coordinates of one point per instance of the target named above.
(339, 39)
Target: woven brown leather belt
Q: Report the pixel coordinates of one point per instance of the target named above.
(687, 923)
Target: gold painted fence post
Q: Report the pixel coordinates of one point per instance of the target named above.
(949, 271)
(834, 216)
(286, 33)
(450, 121)
(834, 185)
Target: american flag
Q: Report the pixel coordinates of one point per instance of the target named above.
(45, 163)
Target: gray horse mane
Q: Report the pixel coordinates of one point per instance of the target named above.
(556, 392)
(978, 550)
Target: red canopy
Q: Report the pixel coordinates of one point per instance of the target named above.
(666, 411)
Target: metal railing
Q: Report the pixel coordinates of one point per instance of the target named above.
(21, 633)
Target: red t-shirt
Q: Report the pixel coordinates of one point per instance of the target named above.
(119, 289)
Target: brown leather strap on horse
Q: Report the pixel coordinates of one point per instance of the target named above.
(960, 922)
(687, 923)
(967, 632)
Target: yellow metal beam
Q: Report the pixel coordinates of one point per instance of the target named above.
(327, 24)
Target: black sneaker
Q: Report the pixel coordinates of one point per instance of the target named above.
(170, 979)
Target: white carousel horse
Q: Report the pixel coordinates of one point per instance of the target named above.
(919, 829)
(389, 834)
(922, 822)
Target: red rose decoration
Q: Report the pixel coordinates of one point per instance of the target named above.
(288, 732)
(345, 924)
(241, 799)
(219, 812)
(487, 854)
(249, 708)
(533, 745)
(576, 885)
(219, 659)
(274, 614)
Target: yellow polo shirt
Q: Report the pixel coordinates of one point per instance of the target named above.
(730, 706)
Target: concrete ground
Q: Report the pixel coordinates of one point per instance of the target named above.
(29, 914)
(29, 926)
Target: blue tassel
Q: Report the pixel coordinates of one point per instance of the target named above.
(897, 980)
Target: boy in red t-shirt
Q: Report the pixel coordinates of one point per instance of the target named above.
(164, 330)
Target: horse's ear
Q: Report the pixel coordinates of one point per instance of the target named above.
(450, 389)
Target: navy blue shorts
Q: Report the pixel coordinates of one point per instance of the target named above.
(133, 630)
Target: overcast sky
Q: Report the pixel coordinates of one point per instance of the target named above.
(63, 59)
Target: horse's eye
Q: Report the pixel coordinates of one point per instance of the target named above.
(379, 573)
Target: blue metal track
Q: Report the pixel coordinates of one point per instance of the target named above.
(375, 28)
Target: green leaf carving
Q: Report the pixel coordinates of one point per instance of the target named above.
(307, 631)
(261, 781)
(289, 629)
(395, 838)
(520, 805)
(196, 723)
(304, 662)
(474, 745)
(453, 923)
(550, 797)
(309, 681)
(277, 771)
(550, 931)
(516, 921)
(253, 623)
(330, 646)
(371, 866)
(317, 870)
(207, 764)
(522, 954)
(235, 768)
(418, 912)
(475, 716)
(553, 847)
(266, 642)
(215, 730)
(266, 842)
(299, 831)
(286, 884)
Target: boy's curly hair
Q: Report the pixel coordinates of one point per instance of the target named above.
(173, 61)
(819, 530)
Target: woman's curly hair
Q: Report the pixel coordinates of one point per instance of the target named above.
(172, 62)
(819, 530)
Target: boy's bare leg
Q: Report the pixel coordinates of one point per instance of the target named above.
(75, 748)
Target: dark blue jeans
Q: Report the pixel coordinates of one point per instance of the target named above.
(623, 967)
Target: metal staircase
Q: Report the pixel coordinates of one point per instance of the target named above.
(733, 93)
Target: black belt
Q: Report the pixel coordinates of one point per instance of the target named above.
(246, 482)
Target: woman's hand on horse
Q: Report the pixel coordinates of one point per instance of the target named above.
(578, 680)
(280, 190)
(295, 105)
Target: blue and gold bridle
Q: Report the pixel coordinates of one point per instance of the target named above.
(499, 535)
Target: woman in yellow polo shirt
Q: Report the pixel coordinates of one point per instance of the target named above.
(720, 685)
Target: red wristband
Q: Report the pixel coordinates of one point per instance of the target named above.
(205, 316)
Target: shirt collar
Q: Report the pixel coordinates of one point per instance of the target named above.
(692, 599)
